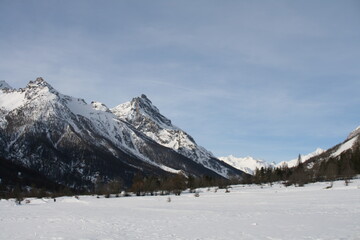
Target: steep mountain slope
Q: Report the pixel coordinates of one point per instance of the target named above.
(354, 133)
(74, 143)
(351, 143)
(246, 164)
(146, 118)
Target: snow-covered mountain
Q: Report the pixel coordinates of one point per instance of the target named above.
(73, 142)
(323, 155)
(303, 158)
(354, 134)
(246, 164)
(249, 164)
(342, 152)
(349, 143)
(146, 118)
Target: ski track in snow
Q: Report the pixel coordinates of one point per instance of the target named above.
(247, 212)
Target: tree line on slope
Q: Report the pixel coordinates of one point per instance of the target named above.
(175, 184)
(19, 183)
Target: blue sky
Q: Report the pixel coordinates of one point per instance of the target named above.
(269, 79)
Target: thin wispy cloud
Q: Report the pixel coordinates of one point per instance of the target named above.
(269, 79)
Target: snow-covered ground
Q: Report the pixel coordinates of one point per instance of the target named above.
(247, 212)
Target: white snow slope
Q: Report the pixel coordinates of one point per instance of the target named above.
(345, 146)
(247, 212)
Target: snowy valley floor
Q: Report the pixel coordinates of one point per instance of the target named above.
(247, 212)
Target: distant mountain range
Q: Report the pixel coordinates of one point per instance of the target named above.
(74, 143)
(249, 164)
(246, 164)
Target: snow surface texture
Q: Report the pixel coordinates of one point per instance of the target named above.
(247, 212)
(141, 113)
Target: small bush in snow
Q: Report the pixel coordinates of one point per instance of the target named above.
(347, 181)
(330, 186)
(18, 200)
(197, 194)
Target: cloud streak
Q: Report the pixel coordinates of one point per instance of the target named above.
(258, 78)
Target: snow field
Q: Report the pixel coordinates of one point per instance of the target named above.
(247, 212)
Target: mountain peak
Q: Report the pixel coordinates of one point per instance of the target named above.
(145, 102)
(354, 133)
(144, 96)
(146, 118)
(4, 85)
(39, 79)
(246, 164)
(142, 106)
(39, 82)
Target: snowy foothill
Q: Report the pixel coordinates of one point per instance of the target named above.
(247, 212)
